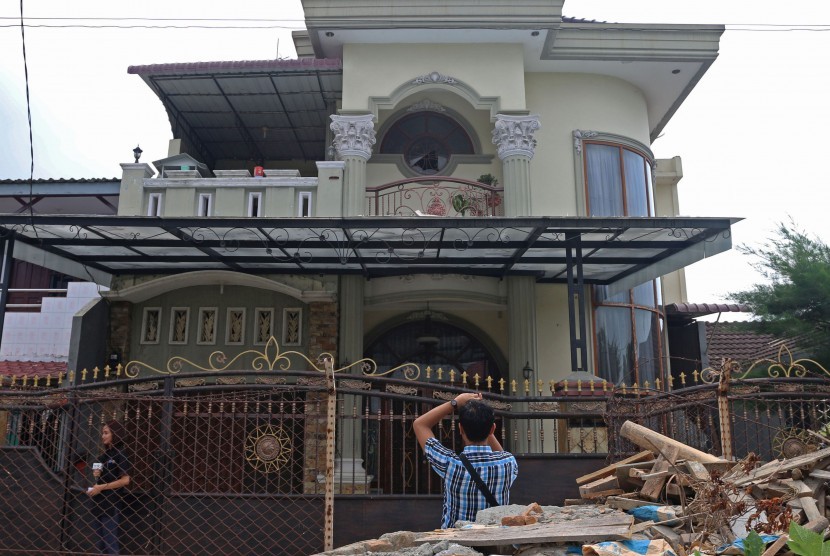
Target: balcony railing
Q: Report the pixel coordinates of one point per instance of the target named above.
(435, 196)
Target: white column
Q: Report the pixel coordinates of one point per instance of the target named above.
(354, 137)
(513, 136)
(353, 140)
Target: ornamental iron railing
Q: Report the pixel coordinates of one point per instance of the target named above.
(435, 196)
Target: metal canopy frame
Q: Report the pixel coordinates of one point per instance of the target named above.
(617, 252)
(603, 250)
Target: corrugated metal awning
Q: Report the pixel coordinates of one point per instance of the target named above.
(253, 111)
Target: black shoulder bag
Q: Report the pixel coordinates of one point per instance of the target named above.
(491, 500)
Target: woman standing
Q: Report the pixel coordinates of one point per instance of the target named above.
(112, 474)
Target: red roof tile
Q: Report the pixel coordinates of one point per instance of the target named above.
(727, 341)
(31, 368)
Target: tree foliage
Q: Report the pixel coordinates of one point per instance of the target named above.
(795, 302)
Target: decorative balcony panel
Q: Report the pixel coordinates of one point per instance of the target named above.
(442, 196)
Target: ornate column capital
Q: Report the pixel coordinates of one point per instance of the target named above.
(353, 135)
(513, 135)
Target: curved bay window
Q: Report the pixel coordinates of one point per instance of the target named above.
(628, 326)
(426, 140)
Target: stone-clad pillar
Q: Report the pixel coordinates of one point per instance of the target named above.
(353, 140)
(513, 135)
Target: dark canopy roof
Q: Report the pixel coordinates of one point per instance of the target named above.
(254, 110)
(625, 251)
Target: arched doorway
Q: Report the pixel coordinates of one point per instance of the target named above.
(434, 339)
(429, 339)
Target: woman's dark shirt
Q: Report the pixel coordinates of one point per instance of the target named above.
(115, 466)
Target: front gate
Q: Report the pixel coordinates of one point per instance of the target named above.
(214, 469)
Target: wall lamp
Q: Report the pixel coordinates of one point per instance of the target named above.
(527, 371)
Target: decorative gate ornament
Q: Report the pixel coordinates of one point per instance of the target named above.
(793, 442)
(267, 448)
(270, 358)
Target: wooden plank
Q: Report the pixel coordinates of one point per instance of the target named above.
(605, 483)
(671, 537)
(626, 503)
(773, 549)
(653, 487)
(698, 471)
(609, 469)
(604, 527)
(820, 474)
(786, 465)
(810, 508)
(799, 487)
(578, 501)
(647, 438)
(602, 494)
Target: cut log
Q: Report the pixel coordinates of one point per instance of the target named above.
(609, 470)
(605, 483)
(647, 438)
(653, 487)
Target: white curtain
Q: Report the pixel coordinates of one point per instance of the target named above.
(604, 180)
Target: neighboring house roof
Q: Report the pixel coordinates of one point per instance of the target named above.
(729, 340)
(60, 181)
(31, 368)
(60, 195)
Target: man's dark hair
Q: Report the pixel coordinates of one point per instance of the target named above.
(477, 418)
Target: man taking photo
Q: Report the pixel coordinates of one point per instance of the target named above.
(497, 469)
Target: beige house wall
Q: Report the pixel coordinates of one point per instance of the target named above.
(566, 102)
(491, 70)
(552, 333)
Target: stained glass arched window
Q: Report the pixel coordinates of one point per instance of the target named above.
(426, 140)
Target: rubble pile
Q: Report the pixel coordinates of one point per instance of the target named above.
(670, 499)
(696, 501)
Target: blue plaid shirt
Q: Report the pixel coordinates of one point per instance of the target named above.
(462, 498)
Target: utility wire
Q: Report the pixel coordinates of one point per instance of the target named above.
(284, 24)
(29, 115)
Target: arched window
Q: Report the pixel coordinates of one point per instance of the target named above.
(427, 140)
(628, 326)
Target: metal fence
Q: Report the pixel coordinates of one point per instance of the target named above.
(235, 462)
(226, 462)
(780, 415)
(213, 470)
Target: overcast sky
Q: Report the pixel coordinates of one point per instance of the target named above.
(752, 134)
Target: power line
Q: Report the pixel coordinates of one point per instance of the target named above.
(29, 115)
(81, 26)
